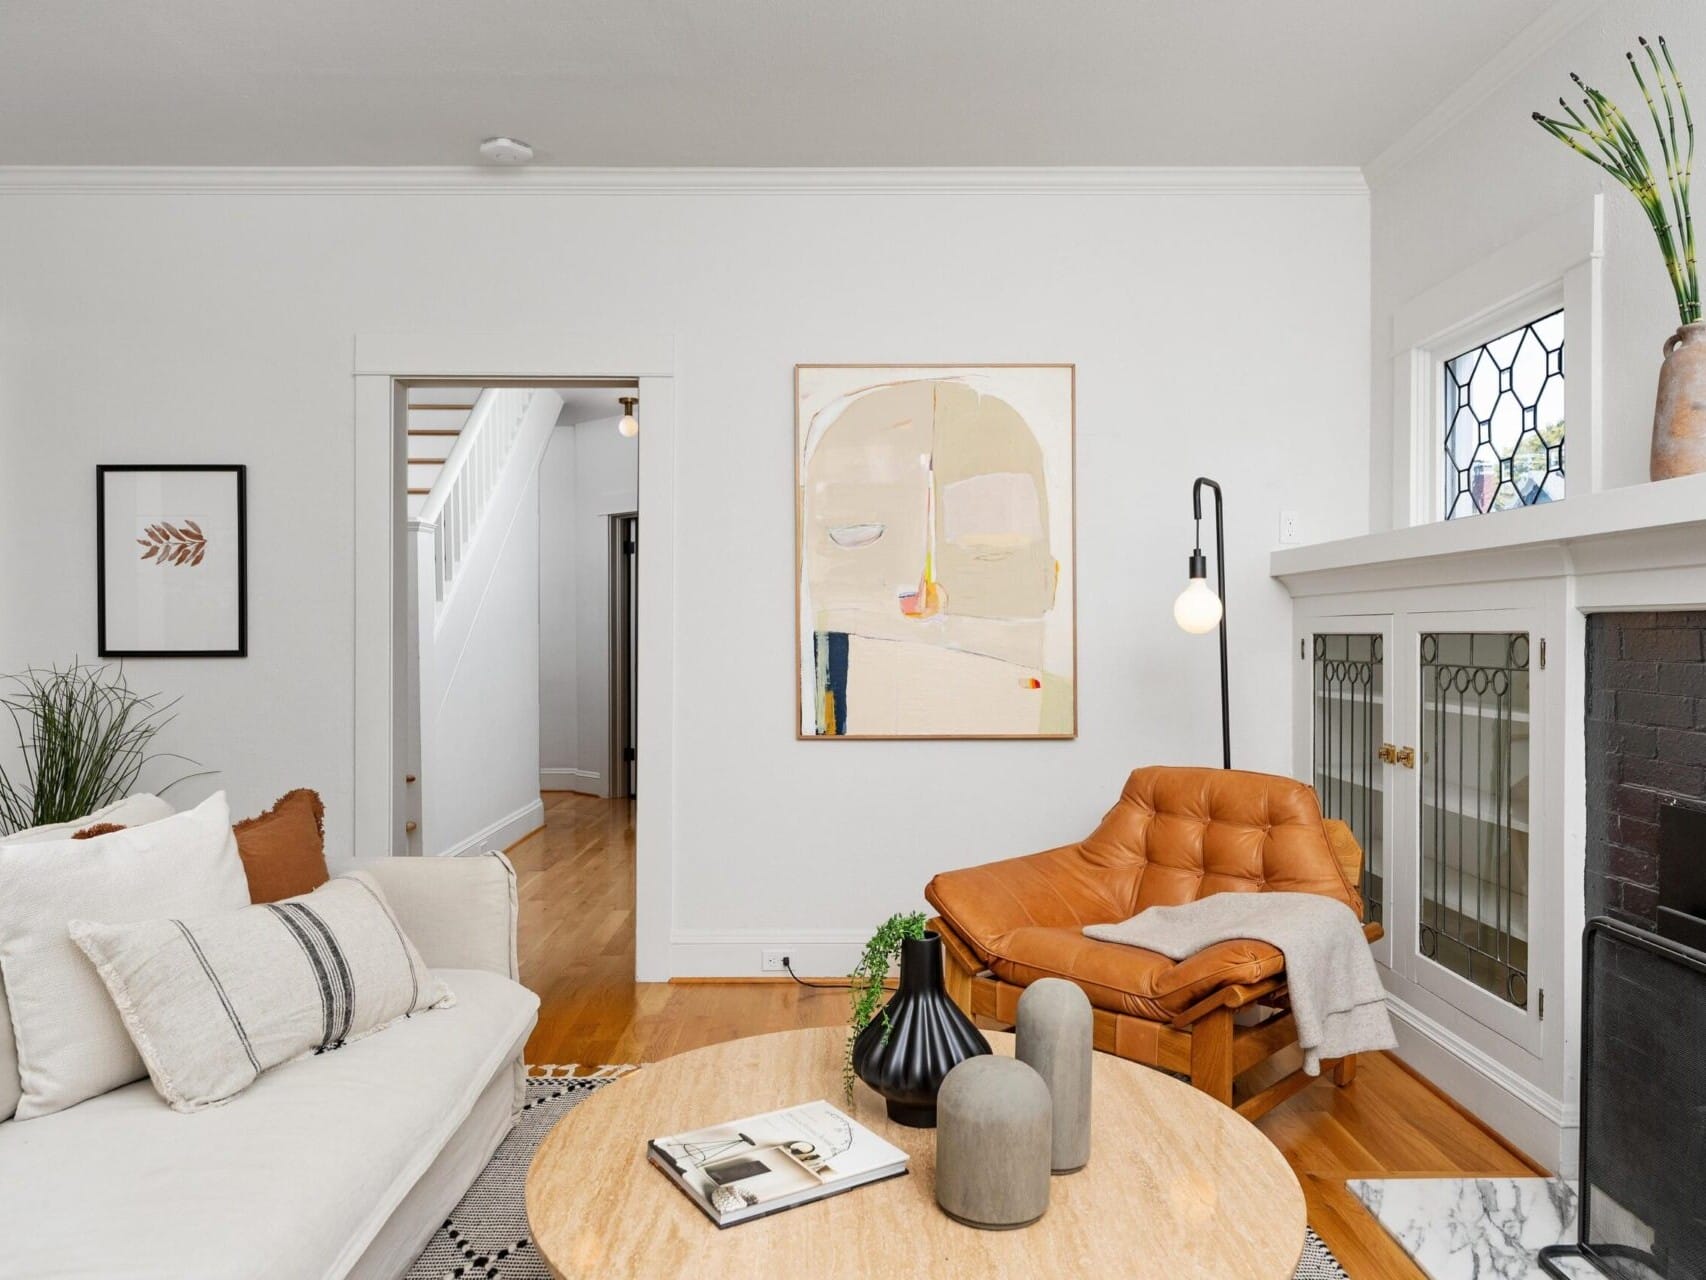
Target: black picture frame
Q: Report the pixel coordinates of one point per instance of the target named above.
(239, 474)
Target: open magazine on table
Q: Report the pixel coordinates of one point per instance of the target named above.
(766, 1163)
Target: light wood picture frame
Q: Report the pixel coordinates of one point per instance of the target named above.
(935, 551)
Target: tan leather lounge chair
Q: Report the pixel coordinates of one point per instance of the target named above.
(1176, 835)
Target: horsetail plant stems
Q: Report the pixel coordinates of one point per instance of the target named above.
(1603, 134)
(84, 736)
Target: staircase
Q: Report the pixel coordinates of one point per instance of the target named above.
(434, 418)
(473, 456)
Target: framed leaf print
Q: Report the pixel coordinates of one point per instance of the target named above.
(172, 575)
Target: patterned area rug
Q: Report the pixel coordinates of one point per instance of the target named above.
(485, 1237)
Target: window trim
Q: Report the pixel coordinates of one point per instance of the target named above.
(1556, 265)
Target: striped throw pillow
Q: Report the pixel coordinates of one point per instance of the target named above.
(212, 1002)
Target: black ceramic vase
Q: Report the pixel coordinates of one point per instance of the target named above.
(928, 1037)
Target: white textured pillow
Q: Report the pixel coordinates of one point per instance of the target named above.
(132, 811)
(213, 1002)
(71, 1043)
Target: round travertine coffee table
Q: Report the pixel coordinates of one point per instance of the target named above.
(1178, 1187)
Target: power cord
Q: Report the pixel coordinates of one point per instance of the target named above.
(815, 986)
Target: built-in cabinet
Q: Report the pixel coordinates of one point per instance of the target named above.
(1439, 706)
(1417, 725)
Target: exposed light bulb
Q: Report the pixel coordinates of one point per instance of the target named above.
(630, 425)
(1198, 609)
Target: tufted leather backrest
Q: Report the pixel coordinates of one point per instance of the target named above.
(1203, 831)
(1175, 835)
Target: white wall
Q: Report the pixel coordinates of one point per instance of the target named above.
(559, 640)
(590, 472)
(480, 768)
(607, 483)
(1473, 179)
(1219, 326)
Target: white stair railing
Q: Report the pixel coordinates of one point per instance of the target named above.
(464, 486)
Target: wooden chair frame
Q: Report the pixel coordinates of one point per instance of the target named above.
(1204, 1043)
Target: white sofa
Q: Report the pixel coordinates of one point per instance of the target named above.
(342, 1164)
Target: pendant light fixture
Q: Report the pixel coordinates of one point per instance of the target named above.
(1200, 608)
(630, 425)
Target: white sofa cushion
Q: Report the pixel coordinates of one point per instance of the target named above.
(293, 1178)
(132, 811)
(71, 1043)
(213, 1001)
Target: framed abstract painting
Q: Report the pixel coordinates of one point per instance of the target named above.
(935, 566)
(172, 577)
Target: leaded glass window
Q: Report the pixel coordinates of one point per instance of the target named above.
(1350, 727)
(1503, 416)
(1475, 794)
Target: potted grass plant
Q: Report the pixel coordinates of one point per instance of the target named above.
(1601, 132)
(84, 736)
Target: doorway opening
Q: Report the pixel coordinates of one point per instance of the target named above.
(503, 602)
(624, 654)
(387, 368)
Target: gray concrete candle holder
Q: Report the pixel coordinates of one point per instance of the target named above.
(992, 1144)
(1054, 1038)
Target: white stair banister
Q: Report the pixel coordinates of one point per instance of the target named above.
(470, 473)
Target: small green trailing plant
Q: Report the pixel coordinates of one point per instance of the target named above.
(868, 983)
(84, 736)
(1604, 135)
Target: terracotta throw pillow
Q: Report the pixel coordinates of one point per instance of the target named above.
(99, 829)
(284, 849)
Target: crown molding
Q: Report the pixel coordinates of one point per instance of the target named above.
(1491, 76)
(1331, 180)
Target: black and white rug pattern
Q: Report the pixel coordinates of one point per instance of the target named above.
(485, 1237)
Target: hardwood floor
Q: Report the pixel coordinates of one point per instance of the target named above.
(577, 952)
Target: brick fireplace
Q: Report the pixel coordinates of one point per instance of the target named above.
(1646, 739)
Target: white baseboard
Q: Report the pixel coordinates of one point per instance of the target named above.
(1530, 1119)
(502, 833)
(814, 953)
(569, 780)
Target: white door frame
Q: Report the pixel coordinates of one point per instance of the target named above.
(380, 361)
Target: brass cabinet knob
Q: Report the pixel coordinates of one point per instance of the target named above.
(1388, 753)
(1407, 757)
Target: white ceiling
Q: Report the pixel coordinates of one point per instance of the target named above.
(591, 404)
(732, 82)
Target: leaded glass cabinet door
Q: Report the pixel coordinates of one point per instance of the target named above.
(1343, 662)
(1474, 775)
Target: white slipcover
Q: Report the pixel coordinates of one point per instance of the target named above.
(294, 1178)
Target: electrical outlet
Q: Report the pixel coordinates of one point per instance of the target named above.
(1288, 532)
(771, 959)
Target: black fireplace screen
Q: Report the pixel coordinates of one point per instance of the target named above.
(1643, 1111)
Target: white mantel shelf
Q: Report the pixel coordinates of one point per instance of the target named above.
(1638, 528)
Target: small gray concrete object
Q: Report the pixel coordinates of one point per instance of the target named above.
(993, 1139)
(1054, 1037)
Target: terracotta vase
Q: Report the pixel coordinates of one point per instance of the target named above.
(1679, 418)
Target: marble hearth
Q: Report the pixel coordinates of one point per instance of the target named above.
(1486, 1228)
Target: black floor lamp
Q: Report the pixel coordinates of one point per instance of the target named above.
(1199, 608)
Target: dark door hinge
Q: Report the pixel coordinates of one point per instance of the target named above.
(630, 755)
(1543, 1004)
(1543, 653)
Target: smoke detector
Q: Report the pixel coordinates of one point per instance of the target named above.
(506, 151)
